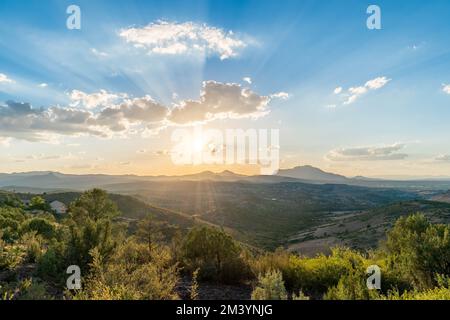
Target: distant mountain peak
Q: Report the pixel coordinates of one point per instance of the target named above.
(308, 172)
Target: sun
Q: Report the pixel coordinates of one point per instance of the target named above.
(198, 144)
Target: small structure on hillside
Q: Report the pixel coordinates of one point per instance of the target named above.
(58, 207)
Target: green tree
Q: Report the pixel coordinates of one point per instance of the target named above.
(418, 250)
(90, 226)
(215, 253)
(39, 203)
(93, 205)
(149, 231)
(270, 287)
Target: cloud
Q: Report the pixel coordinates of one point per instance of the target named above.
(443, 157)
(355, 93)
(5, 142)
(98, 53)
(139, 110)
(106, 114)
(247, 79)
(171, 38)
(337, 90)
(43, 85)
(19, 120)
(4, 79)
(218, 101)
(280, 95)
(446, 88)
(374, 153)
(94, 100)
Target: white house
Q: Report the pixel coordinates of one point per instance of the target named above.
(58, 207)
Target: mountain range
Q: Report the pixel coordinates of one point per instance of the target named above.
(54, 181)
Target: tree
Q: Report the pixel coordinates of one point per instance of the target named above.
(418, 250)
(94, 205)
(149, 231)
(215, 253)
(90, 227)
(39, 203)
(270, 287)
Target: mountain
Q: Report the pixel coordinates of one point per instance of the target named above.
(313, 174)
(47, 181)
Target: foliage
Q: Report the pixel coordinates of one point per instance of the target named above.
(27, 289)
(149, 231)
(418, 250)
(270, 287)
(41, 226)
(134, 272)
(194, 285)
(215, 253)
(39, 203)
(143, 259)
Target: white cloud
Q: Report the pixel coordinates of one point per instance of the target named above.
(218, 101)
(43, 85)
(280, 95)
(106, 114)
(5, 142)
(4, 79)
(446, 88)
(373, 153)
(355, 93)
(443, 157)
(139, 110)
(173, 38)
(337, 90)
(98, 53)
(247, 79)
(93, 100)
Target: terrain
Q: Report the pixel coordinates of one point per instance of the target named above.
(304, 209)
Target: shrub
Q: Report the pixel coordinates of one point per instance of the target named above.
(134, 272)
(41, 226)
(33, 246)
(215, 253)
(351, 286)
(418, 250)
(270, 287)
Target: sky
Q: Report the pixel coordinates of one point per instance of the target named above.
(108, 97)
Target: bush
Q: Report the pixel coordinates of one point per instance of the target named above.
(418, 250)
(351, 286)
(41, 226)
(33, 246)
(215, 254)
(52, 264)
(134, 272)
(270, 287)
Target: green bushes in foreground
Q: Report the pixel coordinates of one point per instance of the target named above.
(118, 262)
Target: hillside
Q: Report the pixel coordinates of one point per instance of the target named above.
(363, 229)
(261, 214)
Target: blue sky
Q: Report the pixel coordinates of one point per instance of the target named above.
(360, 101)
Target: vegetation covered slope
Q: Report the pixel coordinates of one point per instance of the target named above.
(117, 262)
